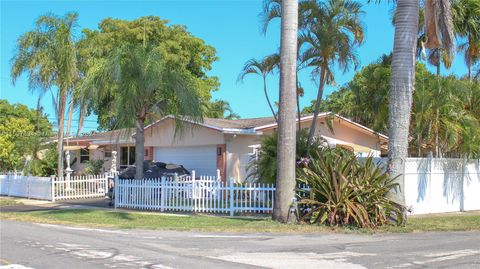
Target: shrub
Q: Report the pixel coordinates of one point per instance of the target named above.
(43, 163)
(263, 168)
(94, 167)
(344, 191)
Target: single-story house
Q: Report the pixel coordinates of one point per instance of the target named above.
(99, 146)
(226, 145)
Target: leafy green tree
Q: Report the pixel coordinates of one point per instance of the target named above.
(147, 86)
(365, 98)
(48, 55)
(454, 132)
(22, 133)
(180, 50)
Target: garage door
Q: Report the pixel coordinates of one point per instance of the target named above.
(201, 159)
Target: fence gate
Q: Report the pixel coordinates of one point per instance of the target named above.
(79, 187)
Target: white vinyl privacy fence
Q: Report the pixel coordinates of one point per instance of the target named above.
(442, 185)
(53, 188)
(25, 186)
(194, 195)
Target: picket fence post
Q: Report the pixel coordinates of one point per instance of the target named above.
(116, 192)
(162, 195)
(231, 189)
(194, 192)
(52, 188)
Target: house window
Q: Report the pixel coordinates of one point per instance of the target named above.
(84, 155)
(108, 152)
(127, 156)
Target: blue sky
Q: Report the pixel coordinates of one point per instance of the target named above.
(232, 27)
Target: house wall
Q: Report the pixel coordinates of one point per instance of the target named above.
(163, 135)
(238, 154)
(96, 154)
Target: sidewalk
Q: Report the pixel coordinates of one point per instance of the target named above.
(26, 205)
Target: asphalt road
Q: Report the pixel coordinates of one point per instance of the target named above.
(54, 246)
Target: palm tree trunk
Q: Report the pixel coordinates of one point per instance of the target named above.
(268, 99)
(419, 144)
(469, 65)
(139, 146)
(299, 113)
(321, 86)
(81, 119)
(285, 180)
(437, 113)
(70, 116)
(437, 146)
(403, 77)
(61, 117)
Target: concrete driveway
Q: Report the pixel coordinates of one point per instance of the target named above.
(55, 246)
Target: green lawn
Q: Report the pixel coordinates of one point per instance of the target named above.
(128, 220)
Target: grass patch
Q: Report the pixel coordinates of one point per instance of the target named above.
(4, 201)
(139, 220)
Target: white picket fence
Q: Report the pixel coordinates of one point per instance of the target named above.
(79, 187)
(53, 188)
(208, 195)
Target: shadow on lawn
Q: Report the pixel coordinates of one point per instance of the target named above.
(86, 213)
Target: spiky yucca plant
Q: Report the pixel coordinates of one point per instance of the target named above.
(345, 191)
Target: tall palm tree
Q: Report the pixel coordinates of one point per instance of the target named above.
(439, 34)
(220, 109)
(403, 75)
(285, 180)
(466, 18)
(333, 32)
(48, 55)
(272, 9)
(146, 88)
(262, 68)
